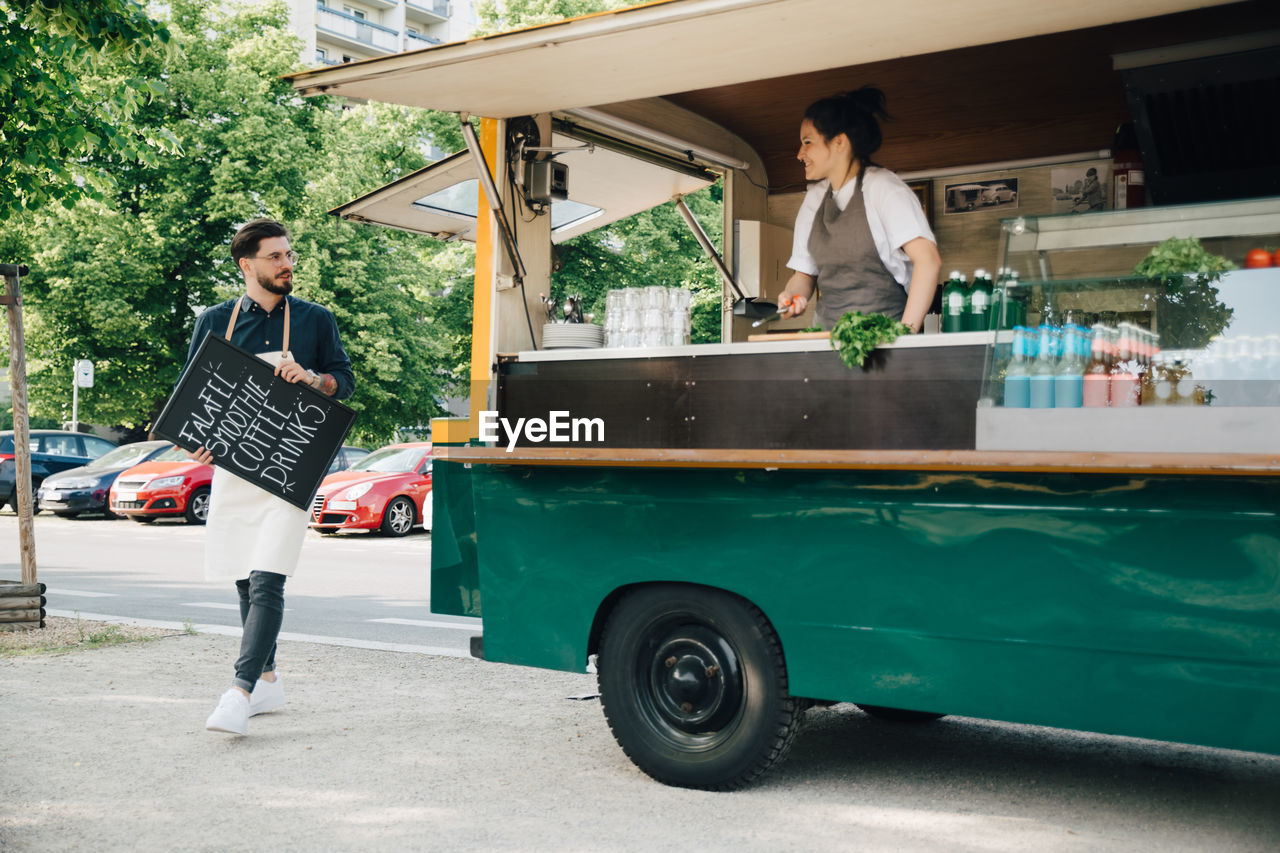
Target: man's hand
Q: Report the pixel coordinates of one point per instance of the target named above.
(203, 456)
(290, 371)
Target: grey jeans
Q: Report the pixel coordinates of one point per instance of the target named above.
(261, 614)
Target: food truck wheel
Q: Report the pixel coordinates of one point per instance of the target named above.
(694, 686)
(899, 715)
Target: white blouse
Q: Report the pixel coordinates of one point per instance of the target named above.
(893, 214)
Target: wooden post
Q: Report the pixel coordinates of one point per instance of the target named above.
(12, 299)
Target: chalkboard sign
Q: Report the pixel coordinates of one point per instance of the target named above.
(278, 435)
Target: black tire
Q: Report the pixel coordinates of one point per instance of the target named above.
(143, 519)
(398, 517)
(899, 715)
(66, 514)
(197, 511)
(694, 686)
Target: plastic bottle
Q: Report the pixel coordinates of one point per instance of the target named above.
(1125, 389)
(953, 302)
(977, 302)
(1096, 383)
(1043, 370)
(1068, 380)
(1017, 376)
(1160, 390)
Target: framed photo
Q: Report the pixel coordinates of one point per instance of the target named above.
(924, 193)
(981, 195)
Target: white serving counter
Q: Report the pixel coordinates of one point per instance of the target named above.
(748, 348)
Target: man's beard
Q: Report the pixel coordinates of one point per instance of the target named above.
(279, 288)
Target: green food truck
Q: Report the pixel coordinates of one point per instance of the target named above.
(733, 532)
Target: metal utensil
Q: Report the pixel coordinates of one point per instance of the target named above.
(777, 315)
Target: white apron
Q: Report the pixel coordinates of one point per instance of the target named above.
(248, 528)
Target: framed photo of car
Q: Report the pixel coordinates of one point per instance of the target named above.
(278, 435)
(972, 196)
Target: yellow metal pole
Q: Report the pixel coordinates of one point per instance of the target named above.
(483, 303)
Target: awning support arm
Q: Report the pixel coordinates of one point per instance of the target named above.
(707, 248)
(491, 195)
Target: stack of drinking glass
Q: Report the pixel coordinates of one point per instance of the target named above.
(647, 317)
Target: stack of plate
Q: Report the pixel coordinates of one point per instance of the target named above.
(572, 336)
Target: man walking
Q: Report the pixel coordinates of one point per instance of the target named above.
(253, 537)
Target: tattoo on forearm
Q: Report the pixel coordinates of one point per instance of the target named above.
(328, 385)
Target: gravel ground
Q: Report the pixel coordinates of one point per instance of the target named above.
(104, 749)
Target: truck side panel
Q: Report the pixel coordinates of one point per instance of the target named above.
(1139, 605)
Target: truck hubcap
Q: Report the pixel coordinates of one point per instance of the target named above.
(694, 681)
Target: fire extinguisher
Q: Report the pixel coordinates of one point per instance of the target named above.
(1128, 182)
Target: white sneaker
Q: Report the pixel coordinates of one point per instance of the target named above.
(231, 715)
(266, 696)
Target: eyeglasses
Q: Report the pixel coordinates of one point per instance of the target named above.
(278, 258)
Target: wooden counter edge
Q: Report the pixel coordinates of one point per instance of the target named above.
(919, 460)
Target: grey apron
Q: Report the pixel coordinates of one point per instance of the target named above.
(851, 276)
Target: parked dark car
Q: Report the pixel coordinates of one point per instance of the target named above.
(85, 489)
(51, 451)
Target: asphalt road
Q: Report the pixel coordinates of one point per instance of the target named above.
(351, 588)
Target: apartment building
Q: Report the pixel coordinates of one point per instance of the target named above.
(338, 31)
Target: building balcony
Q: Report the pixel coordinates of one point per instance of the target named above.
(429, 11)
(417, 41)
(359, 32)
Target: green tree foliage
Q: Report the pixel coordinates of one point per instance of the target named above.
(653, 247)
(499, 15)
(119, 280)
(69, 101)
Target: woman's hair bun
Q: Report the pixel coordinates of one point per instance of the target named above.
(854, 114)
(868, 99)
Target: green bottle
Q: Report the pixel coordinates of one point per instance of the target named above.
(977, 302)
(953, 303)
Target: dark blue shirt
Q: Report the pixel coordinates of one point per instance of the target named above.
(313, 335)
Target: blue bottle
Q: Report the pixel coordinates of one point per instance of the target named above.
(1068, 380)
(1043, 369)
(1017, 376)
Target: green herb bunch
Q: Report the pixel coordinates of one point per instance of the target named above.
(856, 334)
(1179, 256)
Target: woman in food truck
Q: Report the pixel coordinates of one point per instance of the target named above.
(860, 236)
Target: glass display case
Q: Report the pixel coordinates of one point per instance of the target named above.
(1105, 343)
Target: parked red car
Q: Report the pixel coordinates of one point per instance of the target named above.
(389, 490)
(170, 485)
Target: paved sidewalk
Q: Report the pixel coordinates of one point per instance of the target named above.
(105, 749)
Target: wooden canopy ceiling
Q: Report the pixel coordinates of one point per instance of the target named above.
(1036, 97)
